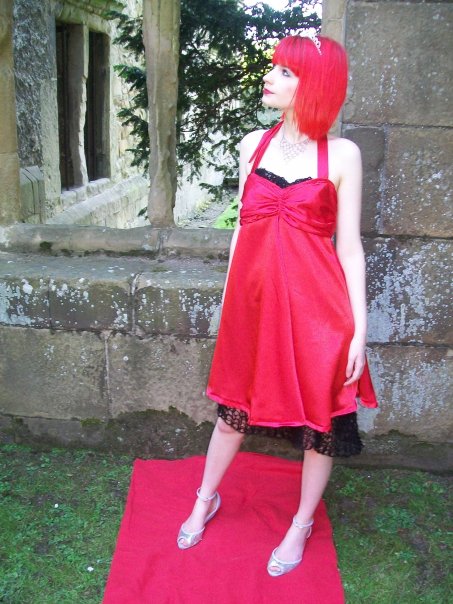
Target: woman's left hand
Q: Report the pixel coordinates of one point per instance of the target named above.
(356, 361)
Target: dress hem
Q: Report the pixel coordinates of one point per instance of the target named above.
(342, 441)
(236, 405)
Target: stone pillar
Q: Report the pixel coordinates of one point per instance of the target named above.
(399, 111)
(10, 209)
(333, 19)
(161, 38)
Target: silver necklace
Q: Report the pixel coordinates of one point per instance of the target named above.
(292, 150)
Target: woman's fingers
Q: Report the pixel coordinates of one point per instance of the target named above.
(354, 369)
(350, 366)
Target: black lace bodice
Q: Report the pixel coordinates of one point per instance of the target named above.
(278, 180)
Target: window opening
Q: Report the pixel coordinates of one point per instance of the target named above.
(63, 96)
(96, 120)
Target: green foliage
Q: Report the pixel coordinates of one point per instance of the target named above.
(228, 218)
(224, 53)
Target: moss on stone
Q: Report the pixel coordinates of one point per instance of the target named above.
(91, 422)
(173, 435)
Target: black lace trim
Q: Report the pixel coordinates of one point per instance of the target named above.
(343, 441)
(278, 180)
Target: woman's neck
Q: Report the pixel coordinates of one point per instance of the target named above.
(290, 130)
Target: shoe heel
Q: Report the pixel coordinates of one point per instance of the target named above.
(186, 540)
(282, 567)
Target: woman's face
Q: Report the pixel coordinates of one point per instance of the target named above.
(280, 86)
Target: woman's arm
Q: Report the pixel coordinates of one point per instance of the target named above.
(350, 251)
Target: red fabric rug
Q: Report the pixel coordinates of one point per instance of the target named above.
(259, 496)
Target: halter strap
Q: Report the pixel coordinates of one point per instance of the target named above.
(262, 145)
(323, 153)
(323, 158)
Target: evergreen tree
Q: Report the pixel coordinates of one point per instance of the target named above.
(224, 54)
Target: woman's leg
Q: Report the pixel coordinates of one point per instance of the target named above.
(315, 476)
(223, 446)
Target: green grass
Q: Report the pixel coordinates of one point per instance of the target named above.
(392, 535)
(60, 512)
(59, 517)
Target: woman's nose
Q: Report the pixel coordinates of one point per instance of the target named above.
(267, 77)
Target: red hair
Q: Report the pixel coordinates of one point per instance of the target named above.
(322, 77)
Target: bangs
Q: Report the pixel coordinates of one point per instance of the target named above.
(287, 53)
(293, 52)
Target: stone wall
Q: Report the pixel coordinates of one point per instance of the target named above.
(400, 112)
(101, 345)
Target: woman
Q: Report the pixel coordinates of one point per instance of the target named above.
(290, 354)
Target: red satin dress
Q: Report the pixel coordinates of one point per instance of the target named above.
(286, 321)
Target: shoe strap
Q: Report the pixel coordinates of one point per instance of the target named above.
(302, 526)
(205, 499)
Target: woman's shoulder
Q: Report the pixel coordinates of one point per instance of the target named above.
(251, 139)
(343, 147)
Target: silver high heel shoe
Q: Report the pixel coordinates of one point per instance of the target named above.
(277, 567)
(185, 539)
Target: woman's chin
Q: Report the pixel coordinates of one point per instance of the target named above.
(269, 102)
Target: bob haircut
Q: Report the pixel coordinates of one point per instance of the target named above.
(322, 77)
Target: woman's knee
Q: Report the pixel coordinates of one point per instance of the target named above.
(225, 428)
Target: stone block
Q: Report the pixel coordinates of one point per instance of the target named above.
(103, 184)
(68, 199)
(36, 176)
(179, 297)
(409, 296)
(122, 241)
(399, 56)
(63, 431)
(31, 238)
(418, 197)
(76, 293)
(110, 206)
(74, 238)
(34, 219)
(158, 373)
(371, 142)
(92, 188)
(81, 194)
(26, 195)
(414, 386)
(85, 304)
(334, 28)
(10, 210)
(52, 374)
(8, 133)
(91, 294)
(6, 429)
(333, 9)
(23, 295)
(208, 243)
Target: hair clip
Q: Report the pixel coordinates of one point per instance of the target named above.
(308, 33)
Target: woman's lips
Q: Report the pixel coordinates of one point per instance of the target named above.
(267, 91)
